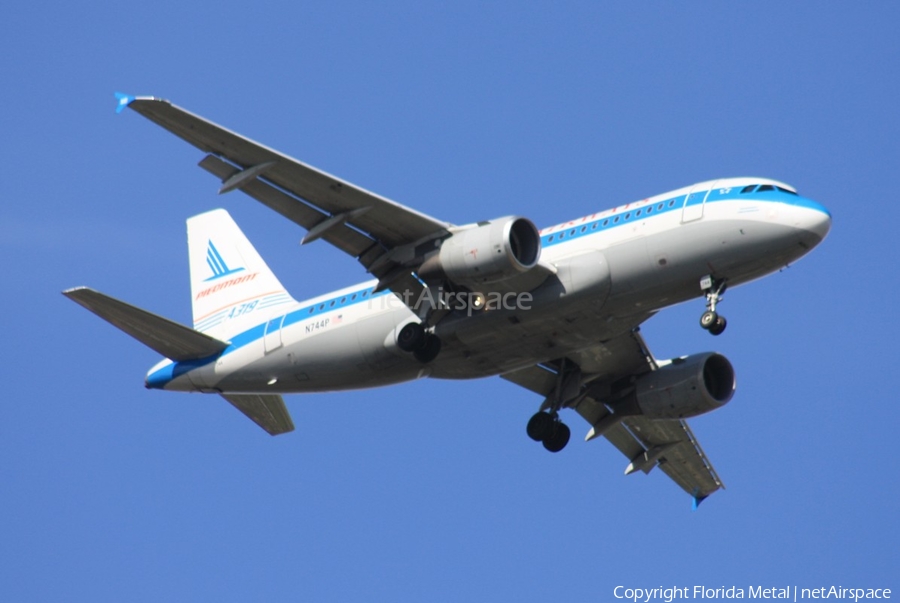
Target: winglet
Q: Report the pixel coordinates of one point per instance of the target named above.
(123, 101)
(697, 501)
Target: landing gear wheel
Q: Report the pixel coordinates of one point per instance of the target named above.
(540, 426)
(558, 438)
(718, 326)
(411, 337)
(708, 319)
(429, 349)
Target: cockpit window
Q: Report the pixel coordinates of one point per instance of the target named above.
(748, 189)
(765, 187)
(784, 190)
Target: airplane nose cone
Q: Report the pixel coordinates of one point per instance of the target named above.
(821, 224)
(814, 218)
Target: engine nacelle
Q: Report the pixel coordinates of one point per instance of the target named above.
(686, 387)
(488, 252)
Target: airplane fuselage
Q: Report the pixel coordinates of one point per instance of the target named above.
(613, 270)
(556, 312)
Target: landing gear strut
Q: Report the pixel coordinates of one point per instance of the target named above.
(714, 289)
(545, 426)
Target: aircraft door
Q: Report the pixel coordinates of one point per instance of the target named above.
(694, 203)
(272, 338)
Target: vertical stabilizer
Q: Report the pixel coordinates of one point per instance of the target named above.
(232, 288)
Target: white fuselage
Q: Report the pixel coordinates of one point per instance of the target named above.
(613, 270)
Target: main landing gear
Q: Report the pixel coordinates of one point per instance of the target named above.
(714, 289)
(545, 427)
(423, 345)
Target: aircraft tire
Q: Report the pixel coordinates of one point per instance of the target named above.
(558, 438)
(411, 337)
(429, 350)
(539, 426)
(718, 327)
(708, 319)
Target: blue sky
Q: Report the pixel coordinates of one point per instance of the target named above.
(431, 490)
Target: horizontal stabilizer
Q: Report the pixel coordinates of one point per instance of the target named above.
(266, 410)
(169, 338)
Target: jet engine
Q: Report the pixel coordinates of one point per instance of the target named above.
(686, 387)
(487, 252)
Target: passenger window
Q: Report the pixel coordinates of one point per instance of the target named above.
(672, 203)
(650, 209)
(594, 226)
(572, 233)
(550, 239)
(628, 215)
(659, 207)
(312, 309)
(606, 222)
(637, 214)
(583, 228)
(616, 220)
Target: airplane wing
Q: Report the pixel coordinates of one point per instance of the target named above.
(382, 234)
(667, 444)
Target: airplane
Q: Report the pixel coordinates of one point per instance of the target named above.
(556, 311)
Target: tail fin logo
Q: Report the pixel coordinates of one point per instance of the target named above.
(217, 264)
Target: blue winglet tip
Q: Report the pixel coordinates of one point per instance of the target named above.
(697, 501)
(123, 101)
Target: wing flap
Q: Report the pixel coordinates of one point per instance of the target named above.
(685, 463)
(266, 410)
(388, 222)
(170, 339)
(348, 240)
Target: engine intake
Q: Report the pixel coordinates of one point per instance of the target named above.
(686, 387)
(487, 252)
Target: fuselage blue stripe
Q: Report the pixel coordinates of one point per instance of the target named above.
(606, 222)
(176, 369)
(649, 210)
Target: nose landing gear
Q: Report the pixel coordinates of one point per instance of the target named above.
(714, 289)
